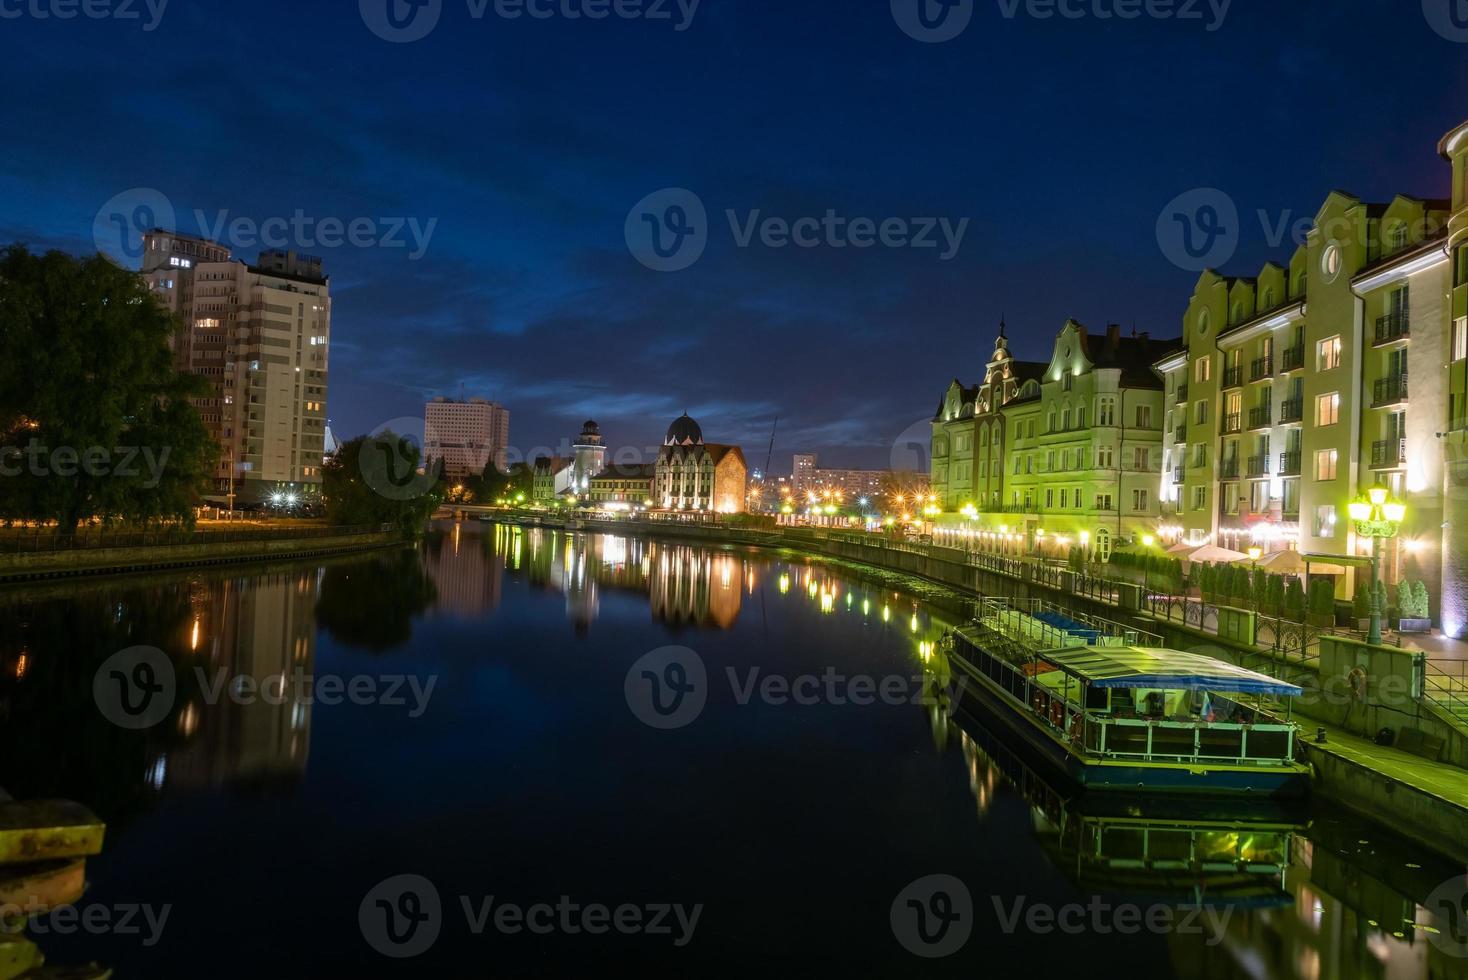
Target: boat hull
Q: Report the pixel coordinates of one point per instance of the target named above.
(1113, 776)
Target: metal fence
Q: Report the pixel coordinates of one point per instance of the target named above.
(32, 540)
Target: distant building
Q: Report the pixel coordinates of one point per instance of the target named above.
(692, 475)
(852, 484)
(466, 435)
(591, 456)
(259, 334)
(803, 472)
(550, 477)
(628, 484)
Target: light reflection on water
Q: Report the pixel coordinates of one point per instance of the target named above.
(1319, 895)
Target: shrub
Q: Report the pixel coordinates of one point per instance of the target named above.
(1276, 601)
(1405, 603)
(1294, 602)
(1322, 598)
(1421, 603)
(1361, 604)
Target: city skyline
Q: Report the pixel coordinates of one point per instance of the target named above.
(525, 257)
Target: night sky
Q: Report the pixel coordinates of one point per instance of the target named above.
(527, 143)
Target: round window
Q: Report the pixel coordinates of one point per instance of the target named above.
(1330, 262)
(1203, 324)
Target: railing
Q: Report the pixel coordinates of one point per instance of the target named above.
(1261, 367)
(1157, 740)
(1258, 466)
(1182, 393)
(1446, 684)
(1233, 377)
(1232, 422)
(1178, 473)
(1180, 433)
(1292, 410)
(1289, 464)
(1261, 417)
(1293, 359)
(27, 540)
(1389, 390)
(1387, 453)
(1392, 327)
(1229, 469)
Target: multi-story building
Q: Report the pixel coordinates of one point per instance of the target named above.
(550, 477)
(692, 475)
(260, 335)
(1047, 456)
(853, 484)
(466, 435)
(1302, 388)
(802, 472)
(622, 486)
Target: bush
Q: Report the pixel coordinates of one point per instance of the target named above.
(1322, 598)
(1294, 602)
(1421, 603)
(1361, 604)
(1405, 603)
(1276, 601)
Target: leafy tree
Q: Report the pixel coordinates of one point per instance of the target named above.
(94, 418)
(1405, 603)
(1421, 604)
(375, 480)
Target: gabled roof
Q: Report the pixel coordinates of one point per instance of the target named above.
(1133, 356)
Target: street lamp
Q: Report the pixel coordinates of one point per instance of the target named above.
(1255, 553)
(1376, 517)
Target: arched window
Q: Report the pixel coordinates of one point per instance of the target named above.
(1269, 298)
(1103, 545)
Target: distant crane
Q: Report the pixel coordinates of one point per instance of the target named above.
(771, 454)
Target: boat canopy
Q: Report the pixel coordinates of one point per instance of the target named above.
(1163, 669)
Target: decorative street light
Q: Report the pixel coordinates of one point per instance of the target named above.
(1377, 518)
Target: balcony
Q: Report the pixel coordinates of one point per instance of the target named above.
(1182, 393)
(1388, 453)
(1180, 433)
(1392, 328)
(1289, 464)
(1177, 474)
(1261, 368)
(1233, 377)
(1258, 466)
(1261, 417)
(1292, 410)
(1293, 360)
(1390, 390)
(1233, 422)
(1229, 469)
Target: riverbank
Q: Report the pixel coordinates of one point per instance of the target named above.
(1425, 800)
(140, 553)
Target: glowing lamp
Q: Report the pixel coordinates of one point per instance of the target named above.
(1378, 496)
(1395, 512)
(1255, 552)
(1360, 510)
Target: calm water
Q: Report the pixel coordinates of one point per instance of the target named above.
(276, 833)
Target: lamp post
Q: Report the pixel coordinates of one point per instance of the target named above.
(1377, 518)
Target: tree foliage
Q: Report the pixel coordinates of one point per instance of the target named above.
(95, 420)
(375, 480)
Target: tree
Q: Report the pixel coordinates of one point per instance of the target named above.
(95, 420)
(1421, 604)
(1295, 599)
(375, 480)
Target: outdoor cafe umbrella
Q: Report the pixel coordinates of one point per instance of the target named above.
(1213, 553)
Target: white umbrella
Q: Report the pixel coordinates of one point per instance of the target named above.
(1214, 553)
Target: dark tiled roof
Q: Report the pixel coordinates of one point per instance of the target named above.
(1134, 356)
(627, 471)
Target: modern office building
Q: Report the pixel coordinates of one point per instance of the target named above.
(1304, 387)
(466, 435)
(1051, 455)
(260, 335)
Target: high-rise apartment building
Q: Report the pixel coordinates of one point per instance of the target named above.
(260, 335)
(803, 471)
(466, 435)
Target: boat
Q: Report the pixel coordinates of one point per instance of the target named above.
(1114, 710)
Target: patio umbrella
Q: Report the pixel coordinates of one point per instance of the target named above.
(1214, 553)
(1283, 563)
(1182, 548)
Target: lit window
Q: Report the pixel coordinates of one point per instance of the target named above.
(1328, 408)
(1325, 521)
(1460, 338)
(1325, 464)
(1328, 354)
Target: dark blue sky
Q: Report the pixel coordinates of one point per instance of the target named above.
(529, 141)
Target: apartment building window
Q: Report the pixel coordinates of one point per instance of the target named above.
(1065, 419)
(1140, 458)
(1103, 501)
(1104, 458)
(1082, 457)
(1328, 354)
(1325, 521)
(1106, 412)
(1077, 498)
(1328, 409)
(1049, 498)
(1203, 369)
(1200, 498)
(1460, 338)
(1050, 421)
(1018, 461)
(1325, 464)
(1065, 459)
(1050, 461)
(1144, 416)
(1259, 497)
(1139, 500)
(1200, 455)
(1200, 414)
